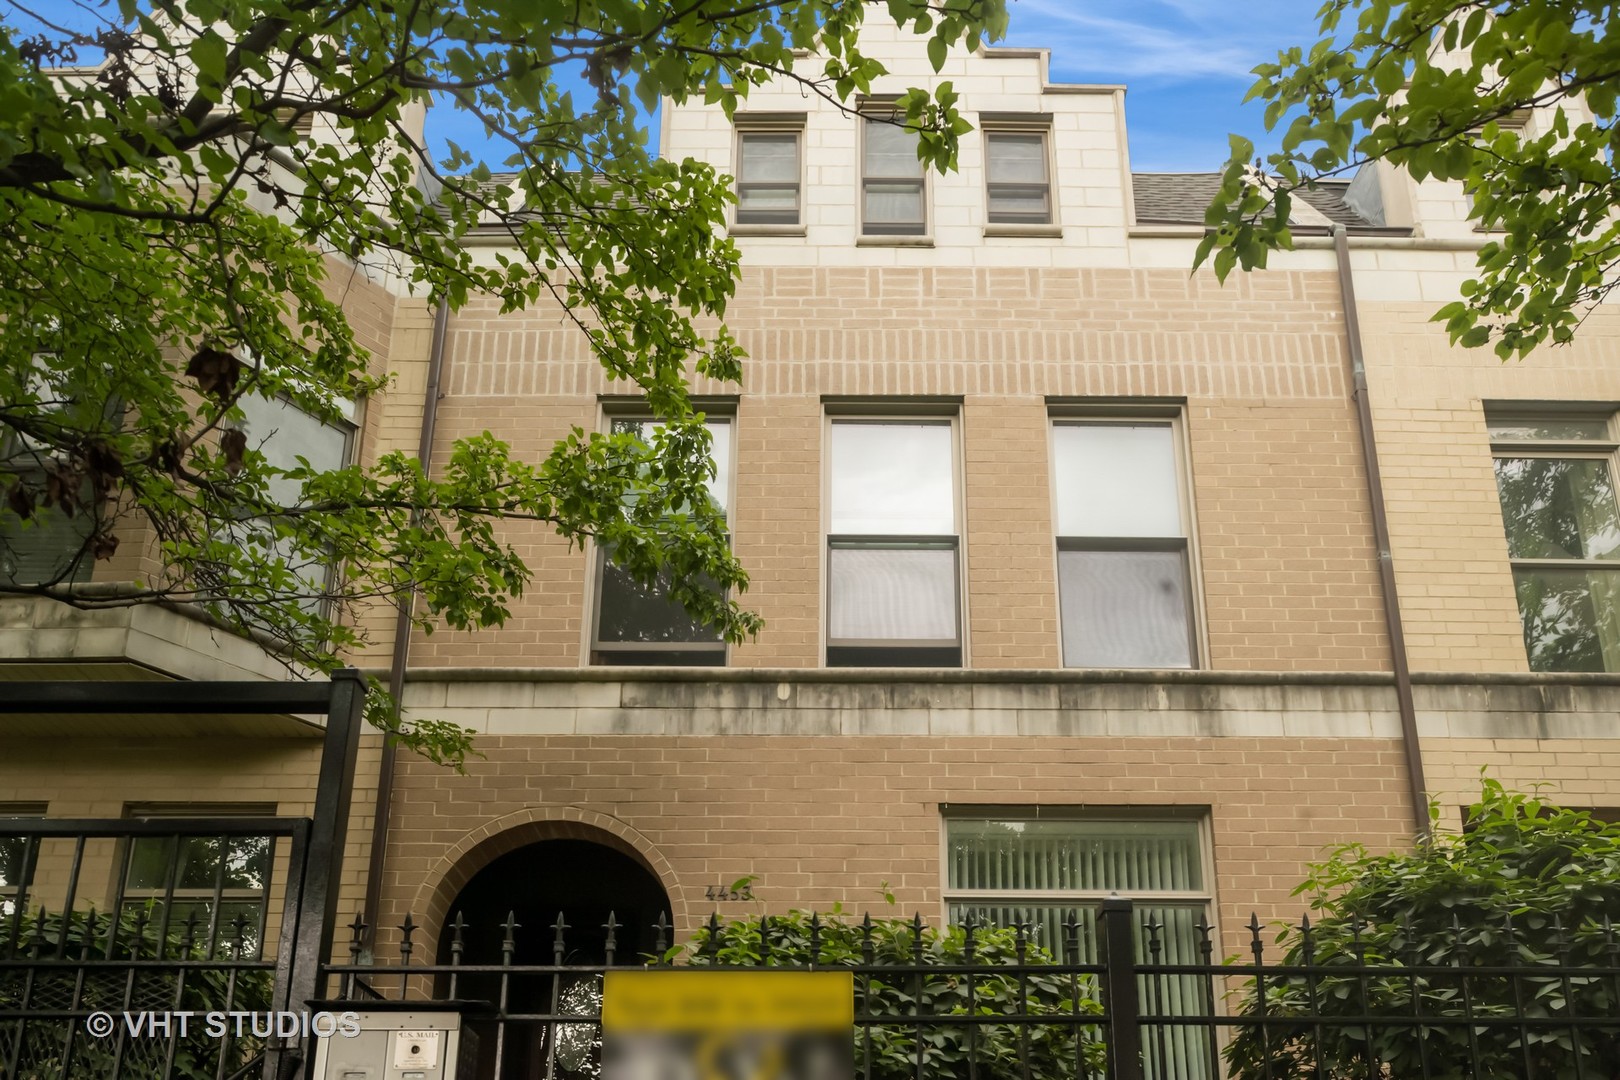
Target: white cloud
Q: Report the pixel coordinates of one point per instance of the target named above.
(1156, 41)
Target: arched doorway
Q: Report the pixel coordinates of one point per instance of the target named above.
(583, 882)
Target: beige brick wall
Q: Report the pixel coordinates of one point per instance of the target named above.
(824, 820)
(1284, 534)
(1451, 560)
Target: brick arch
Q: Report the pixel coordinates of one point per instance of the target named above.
(483, 845)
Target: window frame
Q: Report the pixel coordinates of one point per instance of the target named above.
(746, 124)
(348, 426)
(216, 933)
(1089, 814)
(10, 892)
(647, 653)
(921, 654)
(994, 124)
(1606, 450)
(882, 111)
(1134, 414)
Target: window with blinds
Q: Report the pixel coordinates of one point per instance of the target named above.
(1051, 875)
(893, 572)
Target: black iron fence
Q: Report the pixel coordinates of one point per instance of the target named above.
(116, 935)
(945, 1005)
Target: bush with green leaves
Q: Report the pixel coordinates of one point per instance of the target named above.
(139, 935)
(1050, 1051)
(1525, 884)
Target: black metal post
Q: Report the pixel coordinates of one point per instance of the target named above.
(1116, 946)
(310, 919)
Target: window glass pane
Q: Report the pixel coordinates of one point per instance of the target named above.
(719, 450)
(150, 858)
(283, 433)
(892, 479)
(1558, 508)
(199, 861)
(767, 198)
(1107, 856)
(14, 859)
(893, 203)
(1554, 428)
(1116, 480)
(247, 863)
(1124, 609)
(1571, 618)
(631, 612)
(1019, 203)
(767, 158)
(1015, 159)
(891, 594)
(891, 150)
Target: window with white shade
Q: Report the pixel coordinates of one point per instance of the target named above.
(635, 623)
(1051, 875)
(1124, 574)
(1017, 177)
(893, 589)
(1556, 481)
(893, 187)
(768, 171)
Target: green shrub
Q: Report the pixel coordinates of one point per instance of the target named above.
(1525, 883)
(1001, 1051)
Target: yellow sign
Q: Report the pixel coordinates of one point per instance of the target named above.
(721, 1024)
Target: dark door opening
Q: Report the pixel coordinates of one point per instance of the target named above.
(584, 883)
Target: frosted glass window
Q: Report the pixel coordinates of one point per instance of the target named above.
(1549, 429)
(1016, 174)
(892, 594)
(768, 178)
(1124, 609)
(892, 479)
(1116, 480)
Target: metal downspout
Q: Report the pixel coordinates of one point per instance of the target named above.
(1386, 563)
(402, 644)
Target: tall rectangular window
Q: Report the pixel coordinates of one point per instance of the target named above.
(768, 174)
(1124, 576)
(1555, 479)
(1051, 876)
(640, 624)
(893, 188)
(892, 549)
(221, 884)
(1019, 184)
(283, 433)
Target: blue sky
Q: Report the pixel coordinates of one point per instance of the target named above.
(1186, 64)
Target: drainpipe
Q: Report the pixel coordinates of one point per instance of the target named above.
(1386, 562)
(402, 644)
